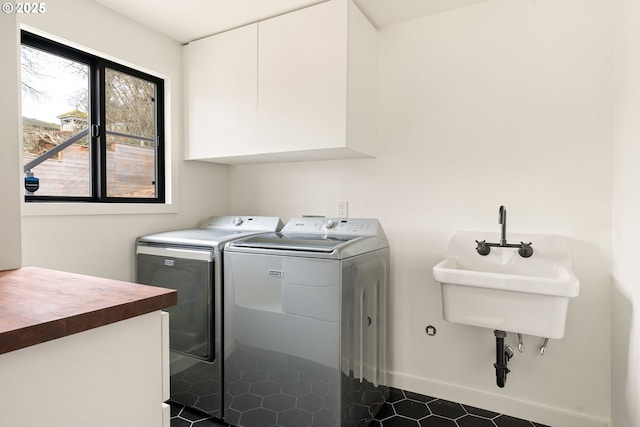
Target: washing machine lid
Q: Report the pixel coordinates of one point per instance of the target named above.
(317, 237)
(194, 237)
(295, 242)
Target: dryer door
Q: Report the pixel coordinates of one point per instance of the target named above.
(190, 272)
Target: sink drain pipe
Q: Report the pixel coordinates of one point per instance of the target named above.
(503, 354)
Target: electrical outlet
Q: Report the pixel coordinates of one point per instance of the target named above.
(343, 209)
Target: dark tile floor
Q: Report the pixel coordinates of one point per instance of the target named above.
(403, 408)
(184, 417)
(265, 388)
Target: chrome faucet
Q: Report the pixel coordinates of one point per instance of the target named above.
(525, 250)
(502, 220)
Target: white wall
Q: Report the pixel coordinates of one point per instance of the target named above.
(102, 244)
(504, 102)
(10, 253)
(625, 370)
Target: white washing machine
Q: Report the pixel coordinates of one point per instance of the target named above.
(190, 261)
(306, 316)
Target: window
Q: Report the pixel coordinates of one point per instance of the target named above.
(93, 130)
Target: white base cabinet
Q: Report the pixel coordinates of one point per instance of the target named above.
(300, 86)
(114, 375)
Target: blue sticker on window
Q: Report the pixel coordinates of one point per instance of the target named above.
(31, 184)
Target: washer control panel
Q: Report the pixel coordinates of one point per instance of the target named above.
(338, 226)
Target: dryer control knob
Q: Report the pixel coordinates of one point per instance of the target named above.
(237, 221)
(329, 224)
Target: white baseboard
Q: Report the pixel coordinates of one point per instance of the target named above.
(550, 416)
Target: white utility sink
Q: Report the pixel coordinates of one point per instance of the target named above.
(503, 290)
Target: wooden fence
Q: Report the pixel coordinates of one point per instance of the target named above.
(130, 172)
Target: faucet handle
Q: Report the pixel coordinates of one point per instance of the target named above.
(482, 247)
(525, 250)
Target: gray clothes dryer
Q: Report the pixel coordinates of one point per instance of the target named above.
(190, 261)
(305, 326)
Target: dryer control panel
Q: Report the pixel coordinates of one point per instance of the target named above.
(243, 223)
(337, 226)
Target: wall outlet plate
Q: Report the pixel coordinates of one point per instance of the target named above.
(343, 209)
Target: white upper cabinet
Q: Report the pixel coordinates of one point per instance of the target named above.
(221, 89)
(300, 86)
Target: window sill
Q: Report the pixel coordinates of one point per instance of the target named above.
(72, 209)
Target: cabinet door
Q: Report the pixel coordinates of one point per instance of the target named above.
(221, 94)
(302, 80)
(111, 374)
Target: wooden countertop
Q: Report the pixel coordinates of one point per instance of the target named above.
(38, 305)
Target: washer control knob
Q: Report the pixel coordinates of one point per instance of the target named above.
(329, 224)
(237, 221)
